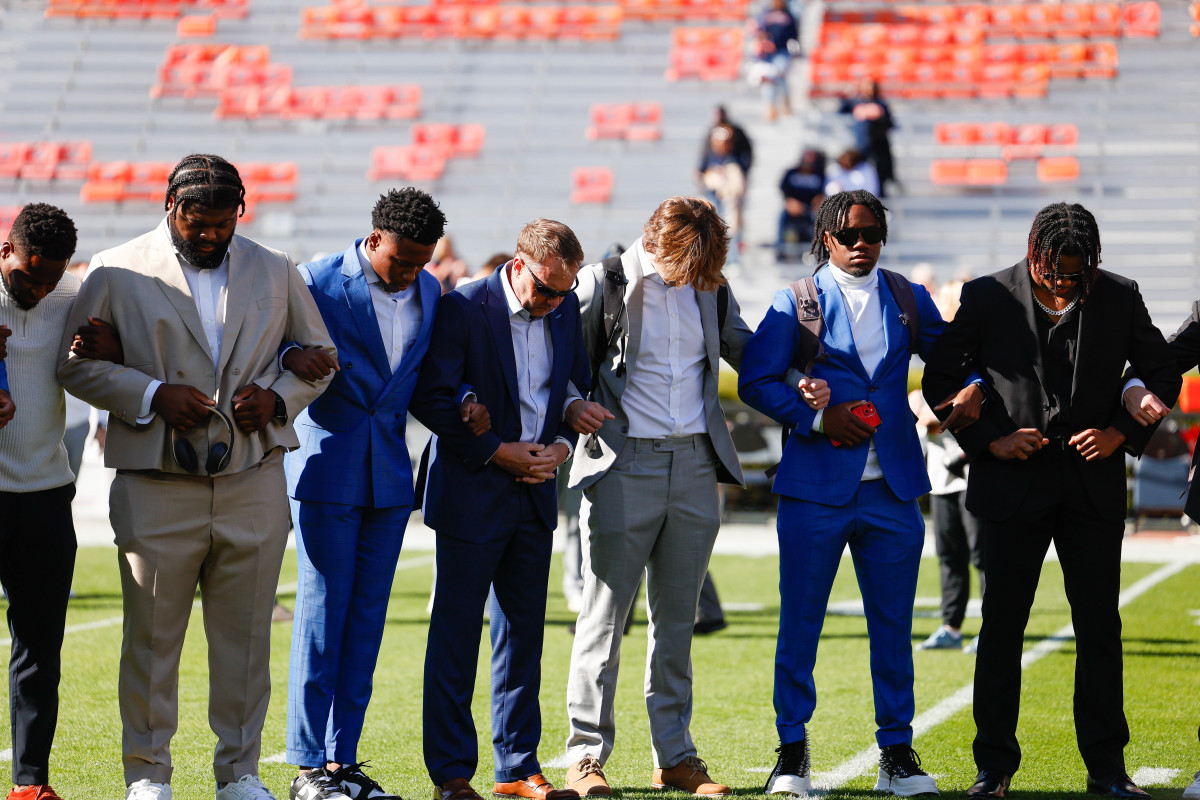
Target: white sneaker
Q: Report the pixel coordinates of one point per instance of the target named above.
(249, 787)
(1193, 791)
(145, 789)
(900, 772)
(793, 772)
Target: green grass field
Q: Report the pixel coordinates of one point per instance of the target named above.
(733, 721)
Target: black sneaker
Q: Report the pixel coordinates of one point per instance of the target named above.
(900, 772)
(358, 786)
(317, 784)
(793, 772)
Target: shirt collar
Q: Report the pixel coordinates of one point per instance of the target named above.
(867, 283)
(646, 262)
(514, 305)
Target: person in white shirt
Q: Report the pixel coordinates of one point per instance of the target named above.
(37, 535)
(650, 480)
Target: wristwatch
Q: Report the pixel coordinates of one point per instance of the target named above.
(280, 408)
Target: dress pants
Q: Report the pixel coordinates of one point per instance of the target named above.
(226, 535)
(347, 559)
(37, 559)
(885, 535)
(655, 510)
(1057, 509)
(956, 536)
(515, 561)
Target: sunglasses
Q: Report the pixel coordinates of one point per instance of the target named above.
(546, 291)
(848, 237)
(1062, 277)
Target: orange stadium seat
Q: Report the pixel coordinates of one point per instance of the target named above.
(434, 135)
(1142, 19)
(606, 25)
(13, 158)
(512, 22)
(74, 162)
(1062, 135)
(270, 182)
(468, 140)
(591, 185)
(645, 123)
(428, 164)
(544, 22)
(389, 163)
(1102, 61)
(1057, 169)
(955, 134)
(196, 26)
(1041, 21)
(1069, 60)
(148, 180)
(58, 161)
(1106, 21)
(1074, 21)
(224, 9)
(479, 22)
(609, 120)
(948, 171)
(987, 172)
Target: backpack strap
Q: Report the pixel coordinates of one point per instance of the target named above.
(812, 322)
(722, 303)
(906, 298)
(612, 304)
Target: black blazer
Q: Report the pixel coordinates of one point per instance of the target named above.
(1185, 344)
(994, 335)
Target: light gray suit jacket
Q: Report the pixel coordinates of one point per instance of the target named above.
(140, 289)
(595, 454)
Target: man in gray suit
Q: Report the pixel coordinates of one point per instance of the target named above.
(650, 481)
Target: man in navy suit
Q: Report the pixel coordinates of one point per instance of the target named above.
(351, 483)
(514, 339)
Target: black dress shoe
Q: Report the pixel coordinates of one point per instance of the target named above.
(1120, 786)
(989, 783)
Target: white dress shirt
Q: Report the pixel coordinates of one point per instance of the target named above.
(209, 288)
(398, 314)
(533, 350)
(664, 393)
(860, 296)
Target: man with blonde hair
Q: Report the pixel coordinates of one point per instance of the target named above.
(514, 339)
(656, 321)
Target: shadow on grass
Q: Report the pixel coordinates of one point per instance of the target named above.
(642, 793)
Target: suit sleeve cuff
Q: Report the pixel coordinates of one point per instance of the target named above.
(144, 413)
(818, 423)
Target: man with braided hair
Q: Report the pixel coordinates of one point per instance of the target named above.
(1051, 337)
(200, 414)
(848, 478)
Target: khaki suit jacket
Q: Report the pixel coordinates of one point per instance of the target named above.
(139, 287)
(723, 339)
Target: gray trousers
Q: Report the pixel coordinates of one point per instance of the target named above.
(654, 510)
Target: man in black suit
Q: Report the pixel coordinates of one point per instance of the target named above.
(1051, 337)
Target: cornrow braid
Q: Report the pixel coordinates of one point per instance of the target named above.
(831, 217)
(207, 180)
(1063, 229)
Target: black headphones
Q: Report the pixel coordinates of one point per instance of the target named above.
(219, 454)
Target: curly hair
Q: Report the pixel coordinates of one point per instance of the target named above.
(409, 213)
(44, 230)
(831, 217)
(1063, 229)
(208, 181)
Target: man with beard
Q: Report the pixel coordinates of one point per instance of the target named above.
(199, 417)
(37, 536)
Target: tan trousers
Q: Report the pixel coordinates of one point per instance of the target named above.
(225, 535)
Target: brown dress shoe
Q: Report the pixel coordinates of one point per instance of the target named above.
(535, 787)
(455, 789)
(586, 777)
(689, 775)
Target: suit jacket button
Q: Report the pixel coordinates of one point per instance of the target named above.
(874, 388)
(399, 416)
(1045, 406)
(348, 365)
(372, 412)
(179, 374)
(237, 371)
(624, 429)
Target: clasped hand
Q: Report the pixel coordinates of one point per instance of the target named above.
(530, 462)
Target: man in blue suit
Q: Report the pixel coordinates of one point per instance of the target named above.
(515, 340)
(351, 484)
(862, 493)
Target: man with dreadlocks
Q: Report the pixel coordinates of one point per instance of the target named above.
(199, 418)
(1051, 337)
(848, 477)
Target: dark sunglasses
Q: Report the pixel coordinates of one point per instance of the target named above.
(848, 237)
(1062, 277)
(546, 291)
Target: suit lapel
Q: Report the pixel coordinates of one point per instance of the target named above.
(495, 309)
(1088, 319)
(164, 266)
(837, 321)
(1023, 290)
(893, 329)
(634, 294)
(711, 326)
(238, 291)
(362, 310)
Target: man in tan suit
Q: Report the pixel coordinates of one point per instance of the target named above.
(199, 416)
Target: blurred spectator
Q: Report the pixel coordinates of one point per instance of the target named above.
(947, 297)
(851, 172)
(803, 189)
(494, 261)
(446, 266)
(778, 33)
(872, 122)
(922, 275)
(743, 150)
(725, 181)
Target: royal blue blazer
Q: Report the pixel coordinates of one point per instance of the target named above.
(812, 469)
(352, 448)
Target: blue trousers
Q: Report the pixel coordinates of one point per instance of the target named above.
(515, 560)
(347, 560)
(885, 536)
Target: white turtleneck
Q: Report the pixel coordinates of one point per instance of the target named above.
(861, 298)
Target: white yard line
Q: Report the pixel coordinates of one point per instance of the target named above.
(868, 759)
(5, 755)
(1154, 776)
